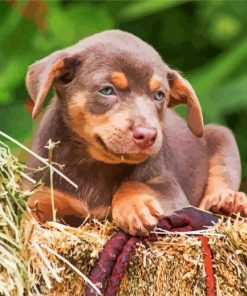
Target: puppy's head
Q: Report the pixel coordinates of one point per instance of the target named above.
(113, 90)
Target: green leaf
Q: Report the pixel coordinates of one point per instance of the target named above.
(10, 77)
(80, 20)
(138, 9)
(16, 121)
(231, 96)
(224, 28)
(206, 79)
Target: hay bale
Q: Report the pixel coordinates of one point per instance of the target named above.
(171, 265)
(55, 259)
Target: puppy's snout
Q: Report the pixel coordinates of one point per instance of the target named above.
(144, 137)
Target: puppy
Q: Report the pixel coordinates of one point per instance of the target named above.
(132, 157)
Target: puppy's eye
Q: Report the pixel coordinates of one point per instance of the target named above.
(107, 91)
(159, 96)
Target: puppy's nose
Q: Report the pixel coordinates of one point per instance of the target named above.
(144, 137)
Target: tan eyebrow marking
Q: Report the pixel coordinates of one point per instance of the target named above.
(120, 80)
(155, 82)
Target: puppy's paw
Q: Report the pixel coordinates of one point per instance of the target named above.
(40, 207)
(137, 215)
(40, 204)
(226, 202)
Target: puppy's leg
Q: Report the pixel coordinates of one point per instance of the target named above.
(64, 204)
(221, 193)
(135, 208)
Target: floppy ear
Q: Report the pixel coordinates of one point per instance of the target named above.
(41, 75)
(181, 92)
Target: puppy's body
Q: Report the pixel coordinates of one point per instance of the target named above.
(99, 181)
(119, 142)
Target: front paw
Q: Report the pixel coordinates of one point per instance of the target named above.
(226, 202)
(40, 208)
(137, 215)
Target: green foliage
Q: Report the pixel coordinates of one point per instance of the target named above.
(139, 9)
(206, 40)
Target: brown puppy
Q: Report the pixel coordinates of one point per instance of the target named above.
(119, 141)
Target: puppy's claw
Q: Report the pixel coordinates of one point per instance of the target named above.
(138, 216)
(155, 208)
(226, 202)
(149, 221)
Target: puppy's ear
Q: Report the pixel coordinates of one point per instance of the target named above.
(41, 75)
(181, 92)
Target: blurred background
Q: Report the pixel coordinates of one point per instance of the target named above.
(206, 40)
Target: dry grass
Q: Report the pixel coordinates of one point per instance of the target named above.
(60, 256)
(13, 269)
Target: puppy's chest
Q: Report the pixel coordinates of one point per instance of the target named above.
(97, 184)
(97, 191)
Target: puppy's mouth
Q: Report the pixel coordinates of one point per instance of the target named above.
(124, 157)
(100, 141)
